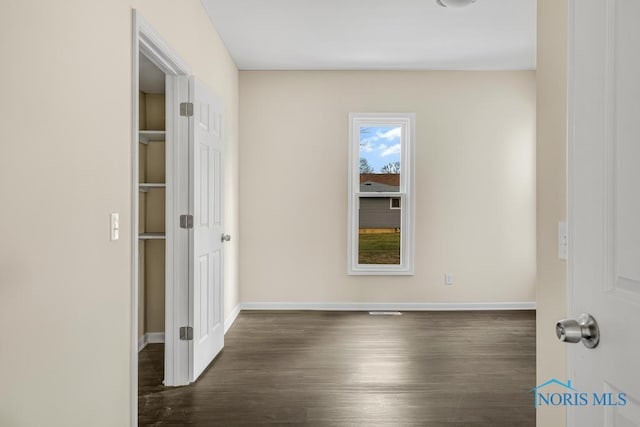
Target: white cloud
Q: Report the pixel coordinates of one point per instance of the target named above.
(394, 149)
(366, 147)
(391, 134)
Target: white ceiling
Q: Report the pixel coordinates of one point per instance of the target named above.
(376, 34)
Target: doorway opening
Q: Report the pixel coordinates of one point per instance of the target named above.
(177, 216)
(152, 209)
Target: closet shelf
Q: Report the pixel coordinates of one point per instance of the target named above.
(152, 236)
(147, 136)
(146, 186)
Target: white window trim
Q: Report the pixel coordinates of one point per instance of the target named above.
(406, 193)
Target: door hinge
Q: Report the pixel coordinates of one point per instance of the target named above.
(186, 109)
(186, 221)
(186, 333)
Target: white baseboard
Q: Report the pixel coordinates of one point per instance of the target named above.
(150, 338)
(400, 306)
(232, 317)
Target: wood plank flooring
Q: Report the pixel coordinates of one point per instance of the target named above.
(354, 369)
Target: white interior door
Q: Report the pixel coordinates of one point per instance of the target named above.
(604, 207)
(205, 204)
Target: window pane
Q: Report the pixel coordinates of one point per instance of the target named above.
(380, 148)
(378, 231)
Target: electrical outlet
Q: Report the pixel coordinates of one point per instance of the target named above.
(115, 226)
(448, 279)
(563, 241)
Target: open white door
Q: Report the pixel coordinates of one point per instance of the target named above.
(205, 204)
(604, 208)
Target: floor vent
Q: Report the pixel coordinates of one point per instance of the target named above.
(385, 313)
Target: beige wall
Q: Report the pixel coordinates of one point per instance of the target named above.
(475, 185)
(551, 289)
(65, 164)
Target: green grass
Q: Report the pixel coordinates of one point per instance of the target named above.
(381, 248)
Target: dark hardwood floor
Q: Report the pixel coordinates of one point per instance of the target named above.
(354, 369)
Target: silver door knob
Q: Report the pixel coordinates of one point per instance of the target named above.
(225, 238)
(584, 329)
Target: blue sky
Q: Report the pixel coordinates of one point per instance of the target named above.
(380, 145)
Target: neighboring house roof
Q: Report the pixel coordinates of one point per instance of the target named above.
(373, 187)
(379, 182)
(392, 179)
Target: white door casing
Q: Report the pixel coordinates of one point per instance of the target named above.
(148, 42)
(206, 151)
(604, 205)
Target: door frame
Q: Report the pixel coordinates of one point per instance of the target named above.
(147, 40)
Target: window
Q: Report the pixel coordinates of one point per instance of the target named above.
(381, 194)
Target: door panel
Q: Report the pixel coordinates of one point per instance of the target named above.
(626, 145)
(621, 416)
(604, 205)
(206, 149)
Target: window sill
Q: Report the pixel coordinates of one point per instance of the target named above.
(382, 271)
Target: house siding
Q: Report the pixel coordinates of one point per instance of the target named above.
(375, 213)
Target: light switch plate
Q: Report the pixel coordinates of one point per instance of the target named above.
(115, 226)
(563, 241)
(448, 279)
